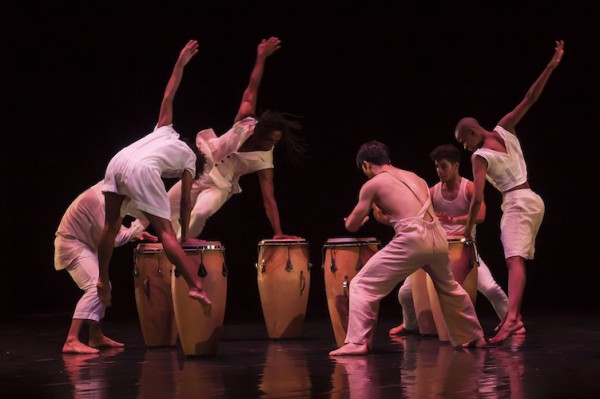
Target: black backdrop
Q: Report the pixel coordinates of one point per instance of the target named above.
(80, 80)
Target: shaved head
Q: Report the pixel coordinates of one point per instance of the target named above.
(466, 124)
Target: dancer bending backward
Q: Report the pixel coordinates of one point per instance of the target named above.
(76, 250)
(451, 198)
(133, 185)
(497, 156)
(420, 241)
(246, 148)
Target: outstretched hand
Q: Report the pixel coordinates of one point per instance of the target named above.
(559, 50)
(268, 47)
(145, 236)
(190, 50)
(285, 237)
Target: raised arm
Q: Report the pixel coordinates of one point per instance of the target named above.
(166, 108)
(510, 120)
(264, 50)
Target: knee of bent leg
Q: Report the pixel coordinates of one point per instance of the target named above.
(405, 294)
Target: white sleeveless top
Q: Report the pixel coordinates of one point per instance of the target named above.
(505, 170)
(456, 207)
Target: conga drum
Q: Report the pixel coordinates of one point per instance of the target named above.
(463, 264)
(283, 275)
(464, 261)
(342, 259)
(199, 330)
(152, 285)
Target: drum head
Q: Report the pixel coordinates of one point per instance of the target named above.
(283, 241)
(203, 246)
(351, 241)
(150, 248)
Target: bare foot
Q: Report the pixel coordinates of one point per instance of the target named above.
(478, 343)
(508, 328)
(520, 331)
(104, 293)
(400, 330)
(78, 347)
(105, 342)
(351, 350)
(200, 295)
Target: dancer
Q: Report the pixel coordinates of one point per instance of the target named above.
(497, 156)
(76, 250)
(420, 241)
(451, 198)
(246, 148)
(133, 184)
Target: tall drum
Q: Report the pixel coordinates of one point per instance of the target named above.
(464, 262)
(199, 330)
(152, 285)
(283, 275)
(342, 260)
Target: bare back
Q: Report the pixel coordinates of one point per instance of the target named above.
(395, 197)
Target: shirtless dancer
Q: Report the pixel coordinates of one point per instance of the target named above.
(246, 148)
(420, 241)
(497, 156)
(76, 250)
(133, 185)
(451, 198)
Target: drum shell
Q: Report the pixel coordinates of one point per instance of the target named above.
(427, 306)
(283, 291)
(349, 254)
(200, 331)
(153, 296)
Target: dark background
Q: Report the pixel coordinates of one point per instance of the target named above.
(81, 80)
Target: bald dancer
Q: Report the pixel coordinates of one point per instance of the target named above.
(498, 157)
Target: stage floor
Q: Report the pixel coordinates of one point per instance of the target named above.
(558, 358)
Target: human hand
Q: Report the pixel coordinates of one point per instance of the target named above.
(195, 241)
(268, 47)
(190, 50)
(145, 236)
(444, 217)
(559, 50)
(104, 292)
(285, 237)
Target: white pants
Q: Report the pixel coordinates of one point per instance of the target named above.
(416, 244)
(84, 271)
(486, 284)
(207, 200)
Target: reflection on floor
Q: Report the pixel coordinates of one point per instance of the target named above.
(559, 357)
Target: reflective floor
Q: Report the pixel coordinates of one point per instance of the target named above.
(558, 358)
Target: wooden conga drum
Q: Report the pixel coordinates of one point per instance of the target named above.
(152, 285)
(283, 275)
(463, 263)
(342, 259)
(200, 331)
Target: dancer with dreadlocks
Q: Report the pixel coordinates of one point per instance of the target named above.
(246, 148)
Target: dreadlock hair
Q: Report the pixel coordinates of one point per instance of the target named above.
(270, 121)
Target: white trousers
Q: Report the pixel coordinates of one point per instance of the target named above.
(416, 244)
(486, 284)
(207, 200)
(84, 271)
